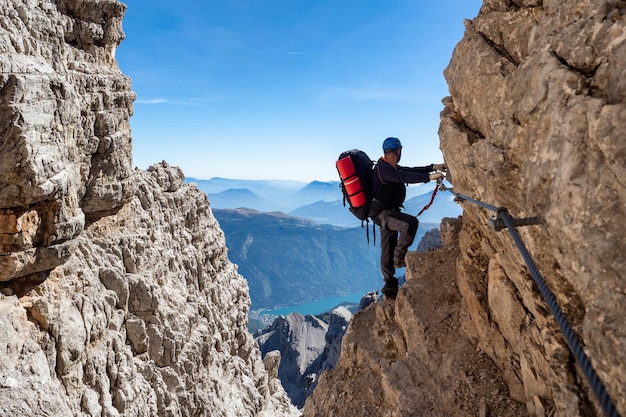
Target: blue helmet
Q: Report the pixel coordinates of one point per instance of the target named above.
(391, 143)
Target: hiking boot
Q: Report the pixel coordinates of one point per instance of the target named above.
(390, 290)
(399, 263)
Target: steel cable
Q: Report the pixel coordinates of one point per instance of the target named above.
(571, 338)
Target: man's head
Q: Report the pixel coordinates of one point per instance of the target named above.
(393, 146)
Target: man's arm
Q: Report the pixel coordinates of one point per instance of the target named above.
(424, 170)
(388, 174)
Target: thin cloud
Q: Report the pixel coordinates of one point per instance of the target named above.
(180, 102)
(151, 101)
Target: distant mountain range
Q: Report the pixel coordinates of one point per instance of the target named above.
(269, 195)
(321, 202)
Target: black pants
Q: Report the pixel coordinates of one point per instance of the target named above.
(392, 246)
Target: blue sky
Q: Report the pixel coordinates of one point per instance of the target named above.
(277, 89)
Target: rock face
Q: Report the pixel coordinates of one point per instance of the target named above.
(535, 124)
(66, 147)
(118, 295)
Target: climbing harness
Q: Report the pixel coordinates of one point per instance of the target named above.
(504, 221)
(432, 198)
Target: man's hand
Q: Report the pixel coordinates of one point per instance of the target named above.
(440, 167)
(435, 176)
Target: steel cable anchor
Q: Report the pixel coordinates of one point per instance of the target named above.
(498, 224)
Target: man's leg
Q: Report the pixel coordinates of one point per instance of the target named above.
(407, 226)
(388, 241)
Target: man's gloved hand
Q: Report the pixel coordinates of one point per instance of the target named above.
(440, 167)
(435, 176)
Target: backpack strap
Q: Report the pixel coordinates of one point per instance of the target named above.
(374, 230)
(379, 177)
(366, 224)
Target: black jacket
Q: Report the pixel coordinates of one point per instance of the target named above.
(388, 184)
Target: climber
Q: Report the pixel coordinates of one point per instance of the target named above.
(388, 194)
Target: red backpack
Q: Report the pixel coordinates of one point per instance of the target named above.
(355, 172)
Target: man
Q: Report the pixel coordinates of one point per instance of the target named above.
(388, 194)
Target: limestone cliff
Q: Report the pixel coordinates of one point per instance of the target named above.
(534, 123)
(118, 298)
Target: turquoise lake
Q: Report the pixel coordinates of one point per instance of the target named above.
(315, 307)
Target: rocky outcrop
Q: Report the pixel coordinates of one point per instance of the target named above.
(430, 241)
(65, 108)
(307, 346)
(299, 340)
(337, 325)
(410, 357)
(118, 298)
(534, 124)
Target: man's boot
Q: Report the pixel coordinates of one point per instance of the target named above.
(390, 290)
(399, 263)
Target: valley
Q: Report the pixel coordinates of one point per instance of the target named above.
(316, 251)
